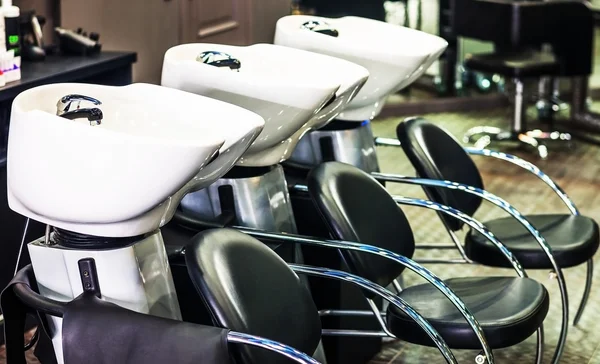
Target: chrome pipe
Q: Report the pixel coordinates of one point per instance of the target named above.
(379, 318)
(539, 354)
(386, 295)
(586, 291)
(440, 247)
(397, 286)
(387, 142)
(529, 167)
(474, 224)
(270, 345)
(390, 142)
(443, 261)
(455, 240)
(329, 312)
(353, 333)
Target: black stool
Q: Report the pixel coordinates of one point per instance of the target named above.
(517, 66)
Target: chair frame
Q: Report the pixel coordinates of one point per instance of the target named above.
(369, 249)
(400, 259)
(55, 308)
(479, 227)
(497, 201)
(386, 295)
(371, 287)
(406, 262)
(476, 225)
(570, 205)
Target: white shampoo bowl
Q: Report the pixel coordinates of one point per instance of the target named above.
(291, 89)
(126, 176)
(395, 56)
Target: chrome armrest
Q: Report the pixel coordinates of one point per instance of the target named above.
(490, 197)
(369, 249)
(386, 295)
(277, 347)
(531, 168)
(387, 142)
(473, 223)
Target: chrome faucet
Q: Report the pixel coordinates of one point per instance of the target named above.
(219, 59)
(66, 109)
(322, 27)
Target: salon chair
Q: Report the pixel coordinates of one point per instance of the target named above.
(519, 29)
(372, 9)
(508, 309)
(98, 332)
(436, 155)
(247, 287)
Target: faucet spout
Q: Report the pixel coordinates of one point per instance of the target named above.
(65, 108)
(94, 115)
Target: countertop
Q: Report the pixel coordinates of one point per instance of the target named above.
(60, 68)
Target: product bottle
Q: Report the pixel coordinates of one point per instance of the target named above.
(2, 79)
(12, 25)
(2, 33)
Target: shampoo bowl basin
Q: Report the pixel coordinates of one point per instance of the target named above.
(293, 90)
(395, 56)
(125, 176)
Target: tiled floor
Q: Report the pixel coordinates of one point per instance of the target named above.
(577, 170)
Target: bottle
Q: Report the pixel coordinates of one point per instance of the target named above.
(12, 25)
(2, 79)
(2, 33)
(12, 72)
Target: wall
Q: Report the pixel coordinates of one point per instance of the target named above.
(46, 8)
(150, 27)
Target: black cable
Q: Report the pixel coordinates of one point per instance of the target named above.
(70, 239)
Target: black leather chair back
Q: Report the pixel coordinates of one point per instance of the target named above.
(435, 154)
(99, 332)
(249, 288)
(358, 208)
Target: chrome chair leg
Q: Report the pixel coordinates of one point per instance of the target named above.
(533, 139)
(539, 355)
(483, 136)
(586, 291)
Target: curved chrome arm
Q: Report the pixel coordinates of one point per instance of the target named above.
(64, 103)
(282, 349)
(406, 262)
(529, 167)
(390, 142)
(559, 192)
(474, 224)
(497, 201)
(386, 295)
(387, 142)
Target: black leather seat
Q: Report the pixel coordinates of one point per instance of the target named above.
(248, 288)
(358, 208)
(574, 239)
(435, 154)
(524, 64)
(505, 307)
